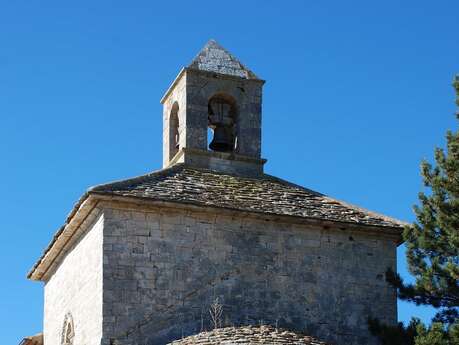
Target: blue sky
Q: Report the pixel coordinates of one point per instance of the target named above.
(357, 93)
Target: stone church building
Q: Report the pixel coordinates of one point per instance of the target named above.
(141, 261)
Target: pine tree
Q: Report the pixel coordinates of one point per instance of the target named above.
(432, 244)
(394, 335)
(437, 334)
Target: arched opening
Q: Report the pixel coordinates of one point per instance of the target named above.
(174, 131)
(222, 118)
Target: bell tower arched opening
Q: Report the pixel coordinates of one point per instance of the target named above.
(174, 130)
(222, 123)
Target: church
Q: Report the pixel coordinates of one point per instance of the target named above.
(210, 249)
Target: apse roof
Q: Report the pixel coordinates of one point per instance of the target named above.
(248, 335)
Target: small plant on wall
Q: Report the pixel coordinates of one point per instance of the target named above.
(216, 313)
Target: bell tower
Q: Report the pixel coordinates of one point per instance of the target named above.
(212, 115)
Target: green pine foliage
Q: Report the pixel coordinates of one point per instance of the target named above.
(437, 334)
(398, 335)
(432, 244)
(433, 241)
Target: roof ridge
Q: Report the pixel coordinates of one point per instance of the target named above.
(126, 182)
(343, 203)
(367, 211)
(292, 184)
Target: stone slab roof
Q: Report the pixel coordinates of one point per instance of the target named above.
(215, 58)
(180, 184)
(266, 194)
(248, 335)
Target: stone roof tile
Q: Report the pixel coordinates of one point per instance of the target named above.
(214, 58)
(266, 194)
(248, 335)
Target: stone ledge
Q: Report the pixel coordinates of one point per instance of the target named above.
(231, 163)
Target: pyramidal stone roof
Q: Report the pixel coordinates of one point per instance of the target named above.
(248, 335)
(214, 58)
(265, 194)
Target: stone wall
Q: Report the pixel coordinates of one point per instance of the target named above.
(163, 269)
(177, 96)
(191, 92)
(247, 95)
(75, 288)
(228, 163)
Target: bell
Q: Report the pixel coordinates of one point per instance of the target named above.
(222, 140)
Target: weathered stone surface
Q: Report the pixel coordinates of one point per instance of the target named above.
(265, 194)
(267, 335)
(214, 58)
(76, 288)
(158, 287)
(176, 100)
(213, 73)
(224, 162)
